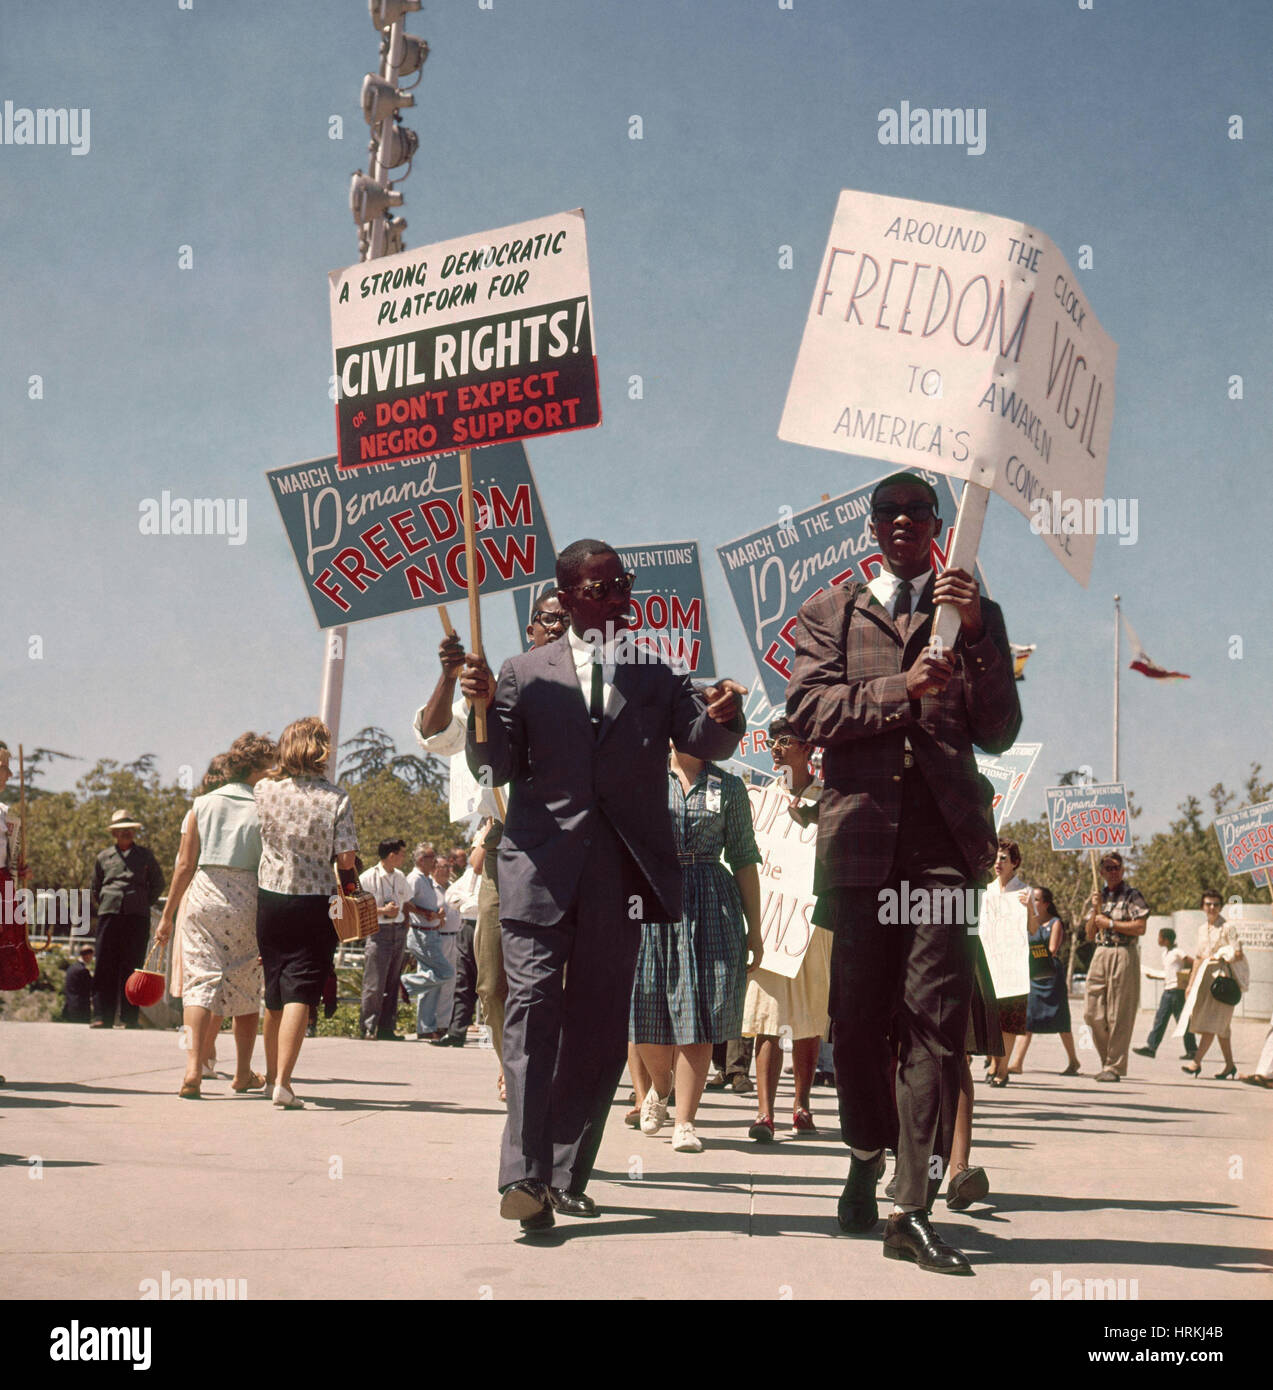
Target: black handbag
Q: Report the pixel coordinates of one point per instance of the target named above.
(1225, 989)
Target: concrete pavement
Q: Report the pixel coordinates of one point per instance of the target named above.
(385, 1186)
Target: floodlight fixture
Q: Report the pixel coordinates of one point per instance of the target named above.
(381, 99)
(369, 199)
(386, 12)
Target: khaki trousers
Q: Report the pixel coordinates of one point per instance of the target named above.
(1113, 998)
(492, 983)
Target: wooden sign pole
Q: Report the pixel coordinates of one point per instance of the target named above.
(470, 571)
(963, 547)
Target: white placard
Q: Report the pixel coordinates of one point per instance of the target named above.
(786, 880)
(1005, 938)
(960, 342)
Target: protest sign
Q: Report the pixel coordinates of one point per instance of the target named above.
(786, 880)
(960, 342)
(1005, 938)
(753, 757)
(775, 569)
(476, 341)
(1246, 839)
(371, 543)
(668, 605)
(1088, 817)
(1007, 773)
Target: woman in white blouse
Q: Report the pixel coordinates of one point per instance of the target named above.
(1219, 952)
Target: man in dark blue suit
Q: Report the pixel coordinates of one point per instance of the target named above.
(580, 730)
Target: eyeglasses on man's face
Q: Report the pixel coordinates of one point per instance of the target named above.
(598, 589)
(890, 511)
(550, 619)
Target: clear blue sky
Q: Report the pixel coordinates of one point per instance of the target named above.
(210, 129)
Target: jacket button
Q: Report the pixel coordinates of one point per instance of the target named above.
(897, 777)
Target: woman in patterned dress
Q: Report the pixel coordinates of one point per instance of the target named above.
(691, 974)
(306, 822)
(215, 882)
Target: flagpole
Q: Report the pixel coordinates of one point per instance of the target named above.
(1116, 666)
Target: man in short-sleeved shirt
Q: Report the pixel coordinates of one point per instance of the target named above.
(1116, 919)
(384, 951)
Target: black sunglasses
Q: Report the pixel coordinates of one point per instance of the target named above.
(890, 511)
(602, 588)
(550, 619)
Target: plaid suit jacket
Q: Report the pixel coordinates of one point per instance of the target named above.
(848, 693)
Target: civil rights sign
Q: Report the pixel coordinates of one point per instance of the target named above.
(961, 342)
(476, 341)
(1246, 838)
(1007, 773)
(1088, 817)
(382, 542)
(668, 605)
(772, 571)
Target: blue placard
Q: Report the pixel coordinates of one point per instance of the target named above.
(1089, 817)
(1246, 838)
(385, 539)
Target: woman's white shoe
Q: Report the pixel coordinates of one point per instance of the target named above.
(286, 1100)
(653, 1112)
(685, 1141)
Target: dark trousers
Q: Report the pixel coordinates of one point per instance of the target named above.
(1169, 1007)
(464, 1005)
(121, 948)
(566, 1021)
(733, 1058)
(902, 989)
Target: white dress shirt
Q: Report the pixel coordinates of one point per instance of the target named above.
(886, 584)
(582, 653)
(387, 886)
(451, 914)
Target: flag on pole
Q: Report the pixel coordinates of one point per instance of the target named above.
(1141, 662)
(1020, 655)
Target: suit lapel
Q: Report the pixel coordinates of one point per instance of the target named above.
(870, 607)
(561, 667)
(625, 681)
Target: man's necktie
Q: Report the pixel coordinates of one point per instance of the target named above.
(902, 604)
(596, 704)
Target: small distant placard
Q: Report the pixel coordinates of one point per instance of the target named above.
(1088, 817)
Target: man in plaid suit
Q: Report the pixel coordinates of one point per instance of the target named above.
(905, 820)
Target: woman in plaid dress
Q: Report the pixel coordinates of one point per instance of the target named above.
(691, 975)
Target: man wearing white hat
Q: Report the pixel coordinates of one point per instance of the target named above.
(127, 881)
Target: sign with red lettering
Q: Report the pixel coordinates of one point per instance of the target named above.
(476, 341)
(1092, 817)
(391, 538)
(962, 343)
(1246, 839)
(667, 607)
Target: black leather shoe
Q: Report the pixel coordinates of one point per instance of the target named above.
(449, 1040)
(572, 1203)
(523, 1201)
(908, 1235)
(858, 1210)
(1143, 1051)
(544, 1221)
